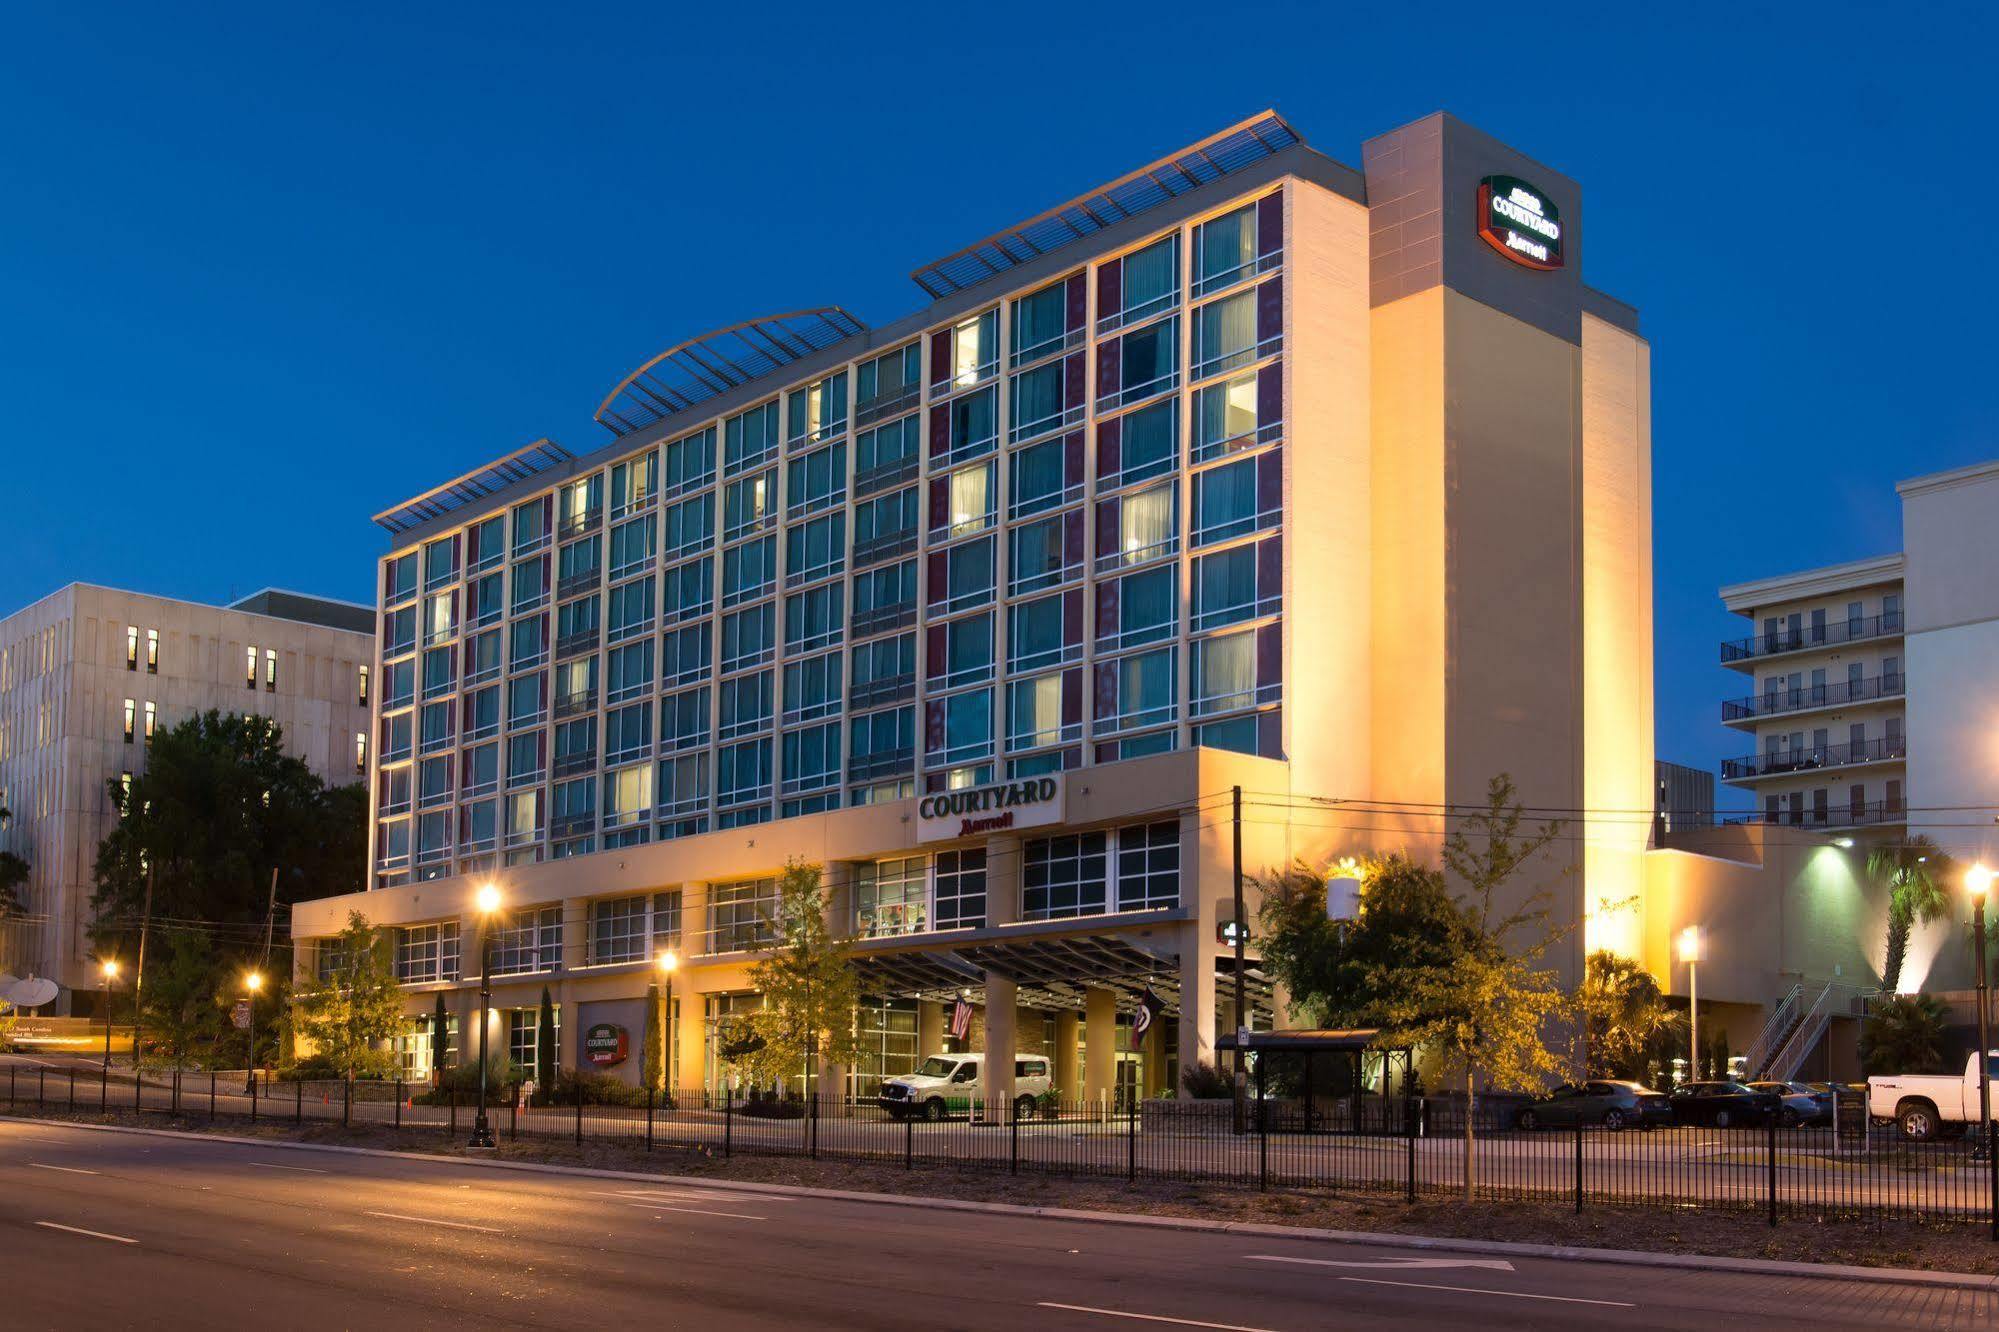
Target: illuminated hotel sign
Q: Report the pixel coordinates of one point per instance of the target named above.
(1520, 222)
(606, 1045)
(1001, 807)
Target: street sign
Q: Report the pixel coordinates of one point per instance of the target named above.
(1226, 932)
(239, 1016)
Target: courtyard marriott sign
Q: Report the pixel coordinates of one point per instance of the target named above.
(1520, 222)
(1001, 807)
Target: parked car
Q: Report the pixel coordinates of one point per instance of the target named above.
(1723, 1104)
(1801, 1103)
(1614, 1105)
(952, 1084)
(1925, 1106)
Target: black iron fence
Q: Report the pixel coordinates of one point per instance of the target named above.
(1386, 1148)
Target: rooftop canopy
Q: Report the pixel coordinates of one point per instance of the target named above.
(474, 485)
(693, 371)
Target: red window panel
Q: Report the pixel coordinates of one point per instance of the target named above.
(1270, 481)
(933, 725)
(465, 716)
(1078, 296)
(1269, 224)
(1072, 460)
(1269, 567)
(1270, 310)
(1269, 401)
(1107, 527)
(1270, 655)
(1110, 447)
(940, 356)
(472, 547)
(940, 578)
(1072, 540)
(1107, 608)
(940, 502)
(1072, 617)
(1072, 382)
(1105, 704)
(1072, 697)
(940, 429)
(1110, 289)
(1110, 365)
(1270, 734)
(935, 651)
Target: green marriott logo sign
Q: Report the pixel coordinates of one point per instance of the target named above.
(1520, 222)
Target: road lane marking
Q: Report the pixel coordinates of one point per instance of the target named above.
(1480, 1290)
(1148, 1318)
(690, 1195)
(695, 1211)
(67, 1170)
(79, 1230)
(433, 1221)
(1394, 1264)
(273, 1165)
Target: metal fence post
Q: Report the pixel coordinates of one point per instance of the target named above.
(138, 1080)
(909, 1150)
(1579, 1165)
(298, 1101)
(1263, 1132)
(212, 1075)
(514, 1116)
(728, 1121)
(579, 1112)
(1992, 1165)
(812, 1129)
(1770, 1159)
(399, 1101)
(253, 1096)
(10, 1086)
(1013, 1138)
(103, 1089)
(649, 1100)
(347, 1101)
(1409, 1106)
(451, 1124)
(1131, 1143)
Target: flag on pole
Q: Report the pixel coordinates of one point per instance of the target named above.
(961, 1019)
(1149, 1007)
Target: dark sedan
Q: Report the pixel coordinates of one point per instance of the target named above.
(1803, 1103)
(1614, 1105)
(1723, 1104)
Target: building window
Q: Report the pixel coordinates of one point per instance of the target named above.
(817, 411)
(633, 545)
(749, 438)
(749, 571)
(1034, 712)
(1148, 526)
(1148, 283)
(361, 751)
(887, 455)
(882, 744)
(747, 637)
(1224, 673)
(619, 930)
(962, 728)
(743, 773)
(687, 527)
(812, 688)
(131, 719)
(152, 717)
(1063, 876)
(131, 647)
(1236, 498)
(1136, 691)
(1235, 584)
(961, 889)
(1139, 608)
(890, 898)
(634, 483)
(427, 953)
(665, 922)
(688, 463)
(815, 548)
(1148, 866)
(361, 686)
(966, 577)
(815, 618)
(1225, 334)
(739, 915)
(683, 787)
(686, 655)
(524, 1035)
(152, 652)
(527, 940)
(973, 426)
(250, 668)
(970, 351)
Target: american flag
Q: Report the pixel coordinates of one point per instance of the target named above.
(961, 1019)
(1149, 1008)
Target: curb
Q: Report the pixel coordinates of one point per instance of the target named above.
(1901, 1276)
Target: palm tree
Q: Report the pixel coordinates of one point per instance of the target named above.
(1915, 871)
(1903, 1034)
(1623, 1012)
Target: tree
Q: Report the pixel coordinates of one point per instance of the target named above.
(355, 1007)
(1484, 1012)
(810, 990)
(219, 806)
(652, 1062)
(13, 874)
(440, 1039)
(1622, 1012)
(544, 1045)
(1915, 871)
(1336, 972)
(182, 994)
(1903, 1033)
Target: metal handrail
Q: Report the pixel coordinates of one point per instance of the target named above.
(1804, 1035)
(1759, 1049)
(1804, 637)
(1797, 698)
(1772, 762)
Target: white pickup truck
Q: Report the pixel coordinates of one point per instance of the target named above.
(1927, 1105)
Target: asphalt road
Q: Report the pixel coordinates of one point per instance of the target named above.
(121, 1230)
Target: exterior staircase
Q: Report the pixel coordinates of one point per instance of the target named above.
(1796, 1025)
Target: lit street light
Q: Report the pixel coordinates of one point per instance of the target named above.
(1693, 949)
(110, 978)
(252, 983)
(667, 962)
(1978, 880)
(488, 902)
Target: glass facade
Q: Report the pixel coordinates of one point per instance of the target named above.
(1042, 535)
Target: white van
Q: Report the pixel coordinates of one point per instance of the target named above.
(952, 1084)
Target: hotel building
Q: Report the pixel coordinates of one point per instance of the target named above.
(1247, 469)
(88, 674)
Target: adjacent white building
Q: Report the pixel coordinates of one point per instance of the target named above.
(89, 674)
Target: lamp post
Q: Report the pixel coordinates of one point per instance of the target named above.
(488, 901)
(667, 962)
(1979, 880)
(1693, 948)
(110, 980)
(251, 984)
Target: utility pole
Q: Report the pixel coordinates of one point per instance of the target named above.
(139, 975)
(1241, 930)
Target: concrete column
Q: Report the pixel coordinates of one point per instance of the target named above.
(1002, 880)
(1001, 997)
(1068, 1074)
(1154, 1063)
(1280, 1003)
(1197, 996)
(929, 1028)
(688, 1076)
(838, 878)
(1100, 1056)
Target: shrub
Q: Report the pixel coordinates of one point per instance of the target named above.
(1205, 1082)
(462, 1081)
(597, 1089)
(771, 1107)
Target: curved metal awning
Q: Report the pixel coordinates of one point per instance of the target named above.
(693, 371)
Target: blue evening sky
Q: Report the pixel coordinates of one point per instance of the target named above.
(265, 270)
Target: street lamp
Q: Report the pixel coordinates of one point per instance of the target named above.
(1979, 880)
(110, 977)
(488, 902)
(1693, 949)
(252, 983)
(667, 962)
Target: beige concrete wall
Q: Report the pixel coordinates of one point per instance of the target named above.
(1617, 630)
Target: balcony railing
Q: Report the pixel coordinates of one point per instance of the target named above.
(1805, 637)
(1799, 698)
(1833, 816)
(1819, 757)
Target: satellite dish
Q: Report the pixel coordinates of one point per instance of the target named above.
(30, 993)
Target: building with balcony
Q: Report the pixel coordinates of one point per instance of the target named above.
(88, 674)
(1823, 719)
(1247, 469)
